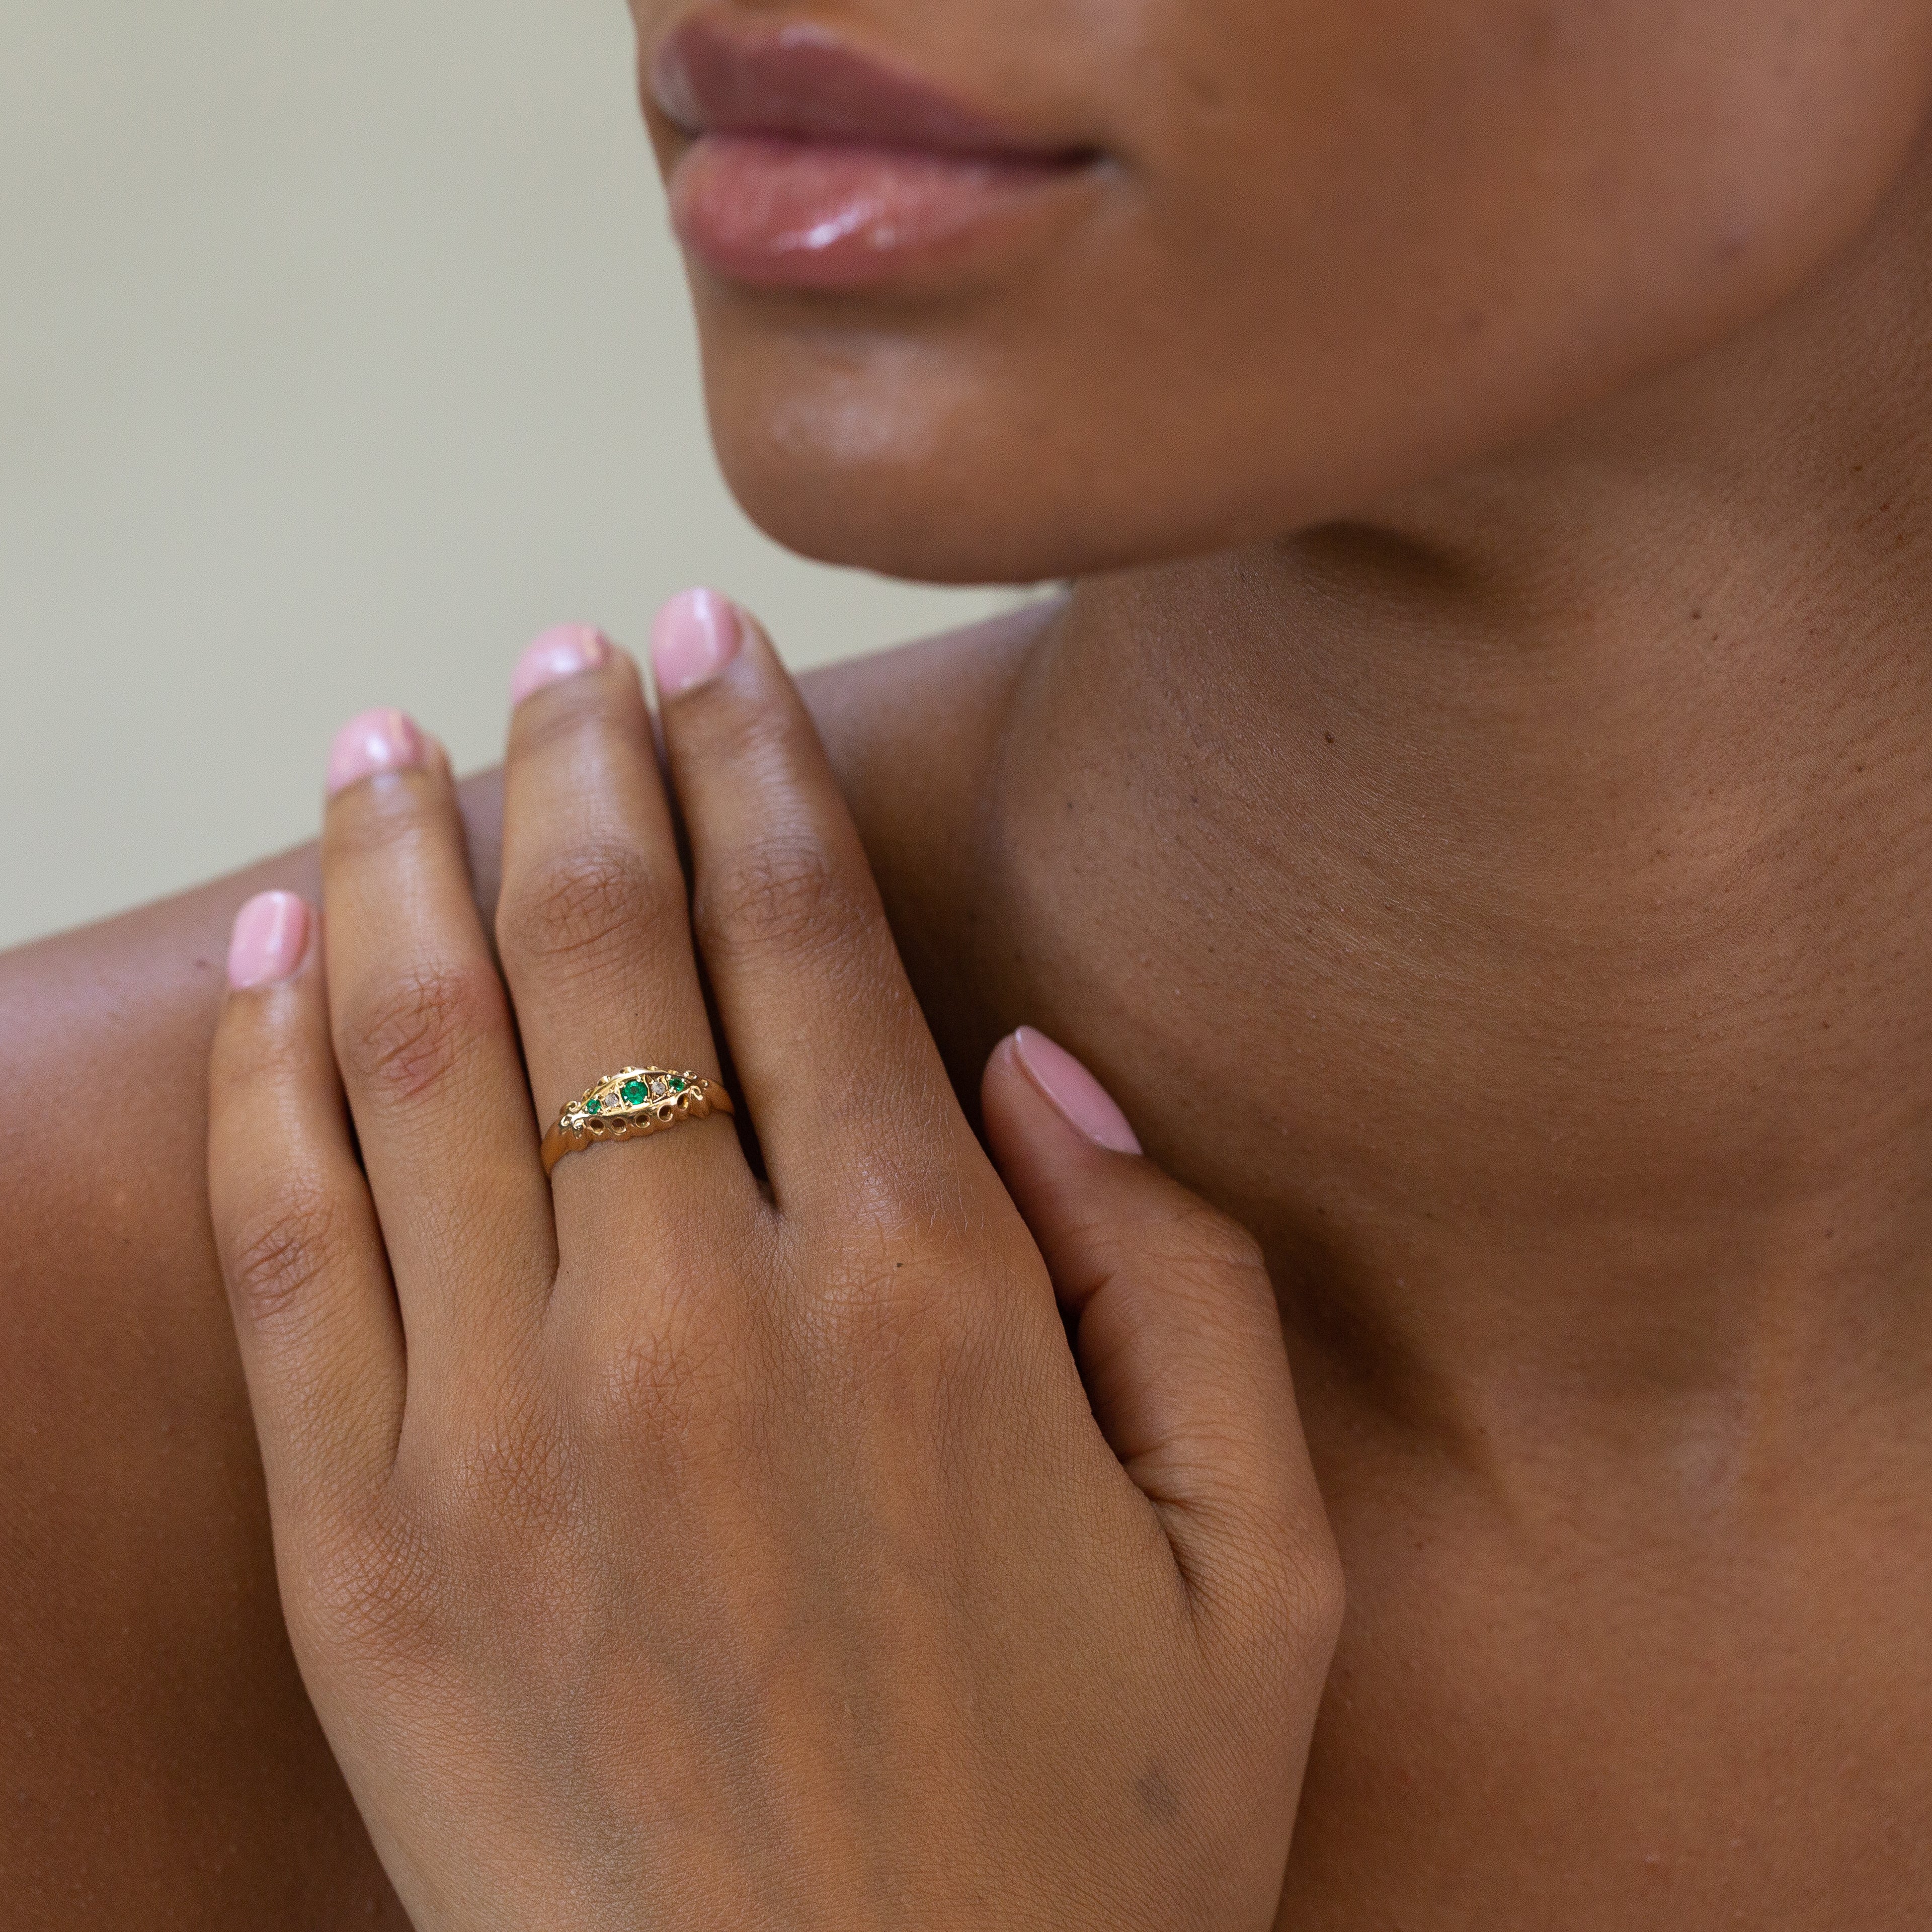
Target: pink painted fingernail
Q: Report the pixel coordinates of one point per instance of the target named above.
(696, 635)
(560, 652)
(1078, 1095)
(377, 741)
(270, 936)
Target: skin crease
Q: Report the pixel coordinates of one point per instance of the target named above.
(1527, 858)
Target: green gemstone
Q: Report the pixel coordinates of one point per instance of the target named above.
(635, 1092)
(594, 1105)
(677, 1084)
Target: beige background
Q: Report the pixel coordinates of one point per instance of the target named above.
(342, 347)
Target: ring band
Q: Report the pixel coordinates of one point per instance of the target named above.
(629, 1104)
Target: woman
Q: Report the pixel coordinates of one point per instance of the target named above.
(1465, 816)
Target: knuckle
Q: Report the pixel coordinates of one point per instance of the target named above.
(515, 1470)
(673, 1388)
(896, 1308)
(1298, 1621)
(1320, 1593)
(1205, 1257)
(576, 906)
(366, 1587)
(1280, 1584)
(403, 1035)
(1215, 1243)
(782, 892)
(903, 1339)
(282, 1249)
(909, 1349)
(1275, 1607)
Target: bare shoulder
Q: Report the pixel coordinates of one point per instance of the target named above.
(163, 1757)
(160, 1758)
(915, 736)
(911, 730)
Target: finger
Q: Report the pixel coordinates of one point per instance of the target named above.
(294, 1224)
(592, 928)
(822, 1024)
(1177, 1334)
(429, 1058)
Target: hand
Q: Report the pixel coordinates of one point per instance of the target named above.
(662, 1548)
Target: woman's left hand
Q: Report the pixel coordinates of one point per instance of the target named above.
(662, 1548)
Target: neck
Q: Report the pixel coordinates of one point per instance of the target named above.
(1516, 906)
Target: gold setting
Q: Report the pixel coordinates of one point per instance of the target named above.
(631, 1103)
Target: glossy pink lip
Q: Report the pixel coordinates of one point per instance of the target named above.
(813, 166)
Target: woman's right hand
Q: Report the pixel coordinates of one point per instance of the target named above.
(663, 1549)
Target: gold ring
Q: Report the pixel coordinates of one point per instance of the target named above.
(629, 1104)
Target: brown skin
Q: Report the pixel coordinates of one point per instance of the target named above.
(1330, 251)
(1537, 863)
(659, 1548)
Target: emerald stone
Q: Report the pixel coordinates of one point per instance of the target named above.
(634, 1093)
(594, 1104)
(677, 1084)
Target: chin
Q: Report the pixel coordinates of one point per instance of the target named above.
(881, 453)
(897, 525)
(940, 464)
(927, 523)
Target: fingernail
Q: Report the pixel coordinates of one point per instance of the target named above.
(696, 635)
(1081, 1099)
(560, 652)
(270, 936)
(377, 741)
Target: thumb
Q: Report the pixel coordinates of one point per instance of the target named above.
(1175, 1330)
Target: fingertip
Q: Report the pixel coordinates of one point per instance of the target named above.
(1068, 1088)
(269, 941)
(693, 637)
(372, 742)
(564, 651)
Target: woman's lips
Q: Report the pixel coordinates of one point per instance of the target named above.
(812, 166)
(811, 215)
